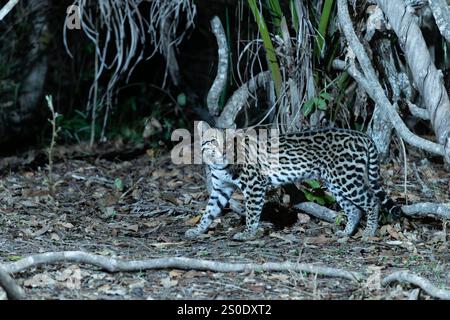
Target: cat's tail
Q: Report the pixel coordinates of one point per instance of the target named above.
(387, 204)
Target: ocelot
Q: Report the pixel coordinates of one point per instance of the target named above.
(346, 160)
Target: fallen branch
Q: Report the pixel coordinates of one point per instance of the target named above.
(424, 284)
(317, 211)
(7, 8)
(119, 265)
(13, 291)
(424, 209)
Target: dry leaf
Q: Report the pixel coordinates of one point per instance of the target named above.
(40, 280)
(322, 239)
(194, 220)
(303, 218)
(175, 273)
(392, 232)
(54, 236)
(168, 283)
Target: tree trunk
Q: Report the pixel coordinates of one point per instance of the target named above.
(427, 78)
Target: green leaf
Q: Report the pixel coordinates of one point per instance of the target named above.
(309, 196)
(339, 219)
(323, 26)
(118, 184)
(268, 46)
(294, 15)
(326, 96)
(308, 107)
(313, 184)
(14, 258)
(322, 105)
(276, 13)
(319, 200)
(181, 99)
(329, 199)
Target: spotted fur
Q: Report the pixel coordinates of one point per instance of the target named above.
(345, 160)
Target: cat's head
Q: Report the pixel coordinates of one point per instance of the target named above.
(212, 144)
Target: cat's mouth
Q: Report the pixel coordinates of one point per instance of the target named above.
(213, 158)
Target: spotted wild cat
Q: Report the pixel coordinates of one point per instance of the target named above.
(345, 160)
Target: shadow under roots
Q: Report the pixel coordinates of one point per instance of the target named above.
(280, 216)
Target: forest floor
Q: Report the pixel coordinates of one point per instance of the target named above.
(140, 209)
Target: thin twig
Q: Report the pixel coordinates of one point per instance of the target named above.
(55, 131)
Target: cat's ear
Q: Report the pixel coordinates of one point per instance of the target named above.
(202, 127)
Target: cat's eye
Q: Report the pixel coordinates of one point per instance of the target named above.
(215, 143)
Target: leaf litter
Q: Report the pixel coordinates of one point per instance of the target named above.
(140, 209)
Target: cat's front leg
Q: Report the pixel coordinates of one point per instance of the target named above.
(220, 195)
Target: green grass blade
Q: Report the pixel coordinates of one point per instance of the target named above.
(294, 15)
(268, 45)
(323, 25)
(275, 10)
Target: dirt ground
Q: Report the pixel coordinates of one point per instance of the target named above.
(140, 209)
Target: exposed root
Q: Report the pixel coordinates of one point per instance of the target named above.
(7, 8)
(12, 289)
(119, 265)
(317, 211)
(441, 210)
(424, 284)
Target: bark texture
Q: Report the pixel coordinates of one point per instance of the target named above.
(427, 78)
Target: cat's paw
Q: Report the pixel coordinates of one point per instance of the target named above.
(192, 233)
(243, 236)
(342, 234)
(367, 234)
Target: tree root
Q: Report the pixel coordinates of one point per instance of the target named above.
(424, 284)
(317, 211)
(421, 209)
(7, 8)
(369, 81)
(441, 210)
(12, 289)
(119, 265)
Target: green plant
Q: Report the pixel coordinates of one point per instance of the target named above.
(75, 127)
(320, 102)
(55, 131)
(323, 26)
(313, 192)
(271, 56)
